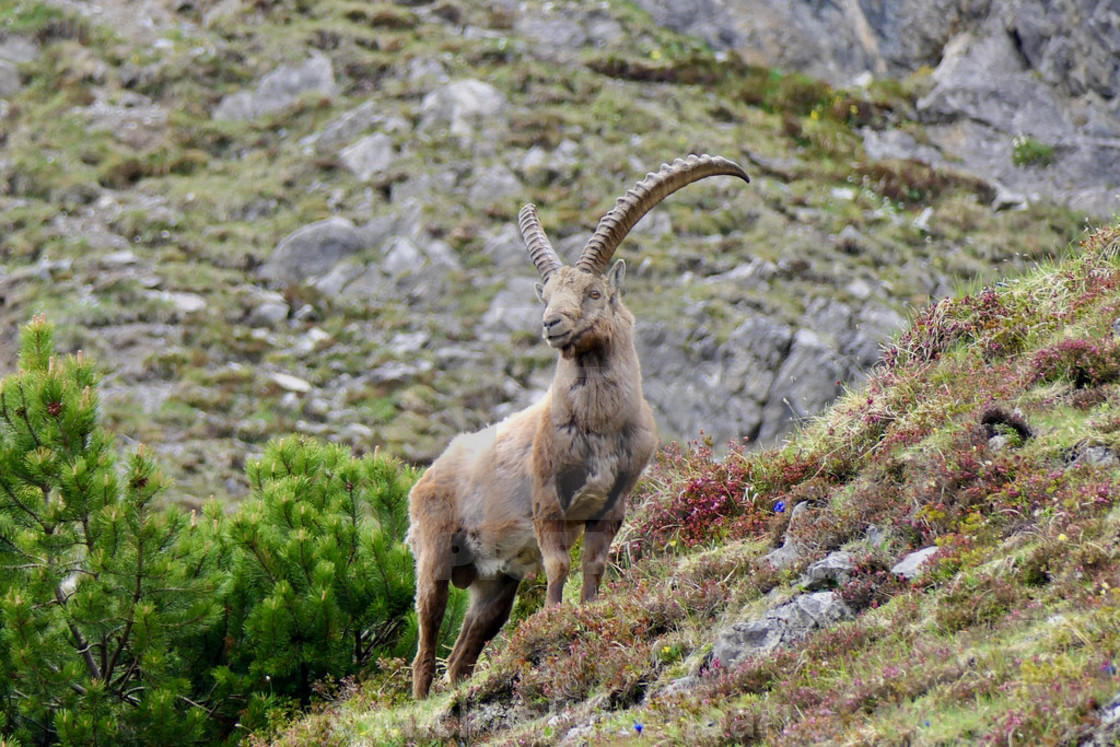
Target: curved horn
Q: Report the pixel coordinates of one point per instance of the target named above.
(540, 250)
(642, 197)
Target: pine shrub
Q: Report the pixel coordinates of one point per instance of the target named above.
(321, 580)
(127, 621)
(97, 586)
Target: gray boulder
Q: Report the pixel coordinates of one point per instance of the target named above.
(810, 377)
(312, 251)
(1097, 456)
(832, 41)
(779, 627)
(18, 49)
(493, 185)
(791, 550)
(694, 383)
(1047, 69)
(554, 36)
(463, 107)
(506, 248)
(14, 51)
(910, 567)
(834, 570)
(134, 120)
(540, 167)
(349, 125)
(9, 79)
(514, 309)
(279, 89)
(370, 156)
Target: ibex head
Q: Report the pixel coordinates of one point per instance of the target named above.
(581, 300)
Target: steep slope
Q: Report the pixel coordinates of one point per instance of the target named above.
(1009, 81)
(284, 216)
(988, 438)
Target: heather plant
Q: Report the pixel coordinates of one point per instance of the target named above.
(1082, 362)
(694, 498)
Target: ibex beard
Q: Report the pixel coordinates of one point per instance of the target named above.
(514, 498)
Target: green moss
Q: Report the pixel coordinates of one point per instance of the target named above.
(1026, 151)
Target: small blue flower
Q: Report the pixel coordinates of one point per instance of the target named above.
(638, 728)
(779, 507)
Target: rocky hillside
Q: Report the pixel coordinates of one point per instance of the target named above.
(933, 561)
(276, 217)
(1007, 79)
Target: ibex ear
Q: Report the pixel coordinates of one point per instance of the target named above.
(539, 289)
(615, 277)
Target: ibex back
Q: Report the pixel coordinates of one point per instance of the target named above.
(514, 497)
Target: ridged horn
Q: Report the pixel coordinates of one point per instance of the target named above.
(642, 197)
(540, 249)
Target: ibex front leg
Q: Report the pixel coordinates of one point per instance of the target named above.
(555, 537)
(596, 547)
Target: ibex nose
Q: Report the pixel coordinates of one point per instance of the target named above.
(551, 321)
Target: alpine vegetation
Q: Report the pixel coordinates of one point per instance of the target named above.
(505, 501)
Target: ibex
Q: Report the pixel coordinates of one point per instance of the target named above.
(499, 503)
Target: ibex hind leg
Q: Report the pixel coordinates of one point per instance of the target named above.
(491, 603)
(431, 603)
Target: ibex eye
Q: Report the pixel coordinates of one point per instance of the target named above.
(596, 295)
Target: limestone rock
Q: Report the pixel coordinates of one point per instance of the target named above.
(1047, 69)
(312, 251)
(811, 376)
(495, 185)
(290, 383)
(834, 570)
(9, 79)
(514, 309)
(910, 567)
(791, 550)
(370, 156)
(780, 626)
(463, 107)
(279, 89)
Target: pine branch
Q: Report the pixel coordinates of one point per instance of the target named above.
(84, 648)
(127, 676)
(137, 592)
(20, 505)
(22, 411)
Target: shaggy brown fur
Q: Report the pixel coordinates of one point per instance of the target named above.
(514, 498)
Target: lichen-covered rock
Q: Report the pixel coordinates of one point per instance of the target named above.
(369, 156)
(279, 89)
(312, 251)
(464, 107)
(780, 626)
(911, 566)
(835, 569)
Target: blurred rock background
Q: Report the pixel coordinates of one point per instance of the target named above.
(279, 216)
